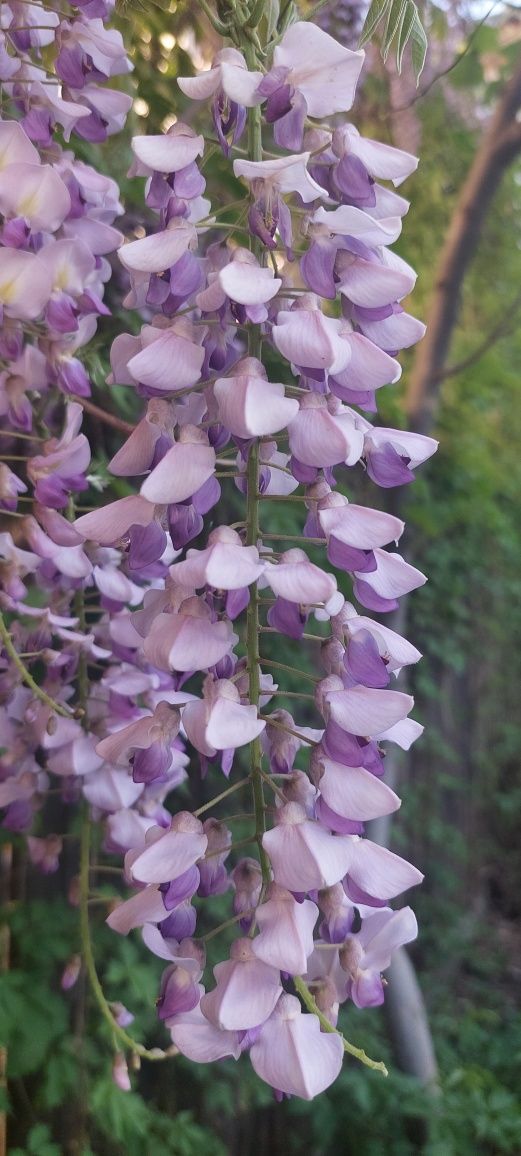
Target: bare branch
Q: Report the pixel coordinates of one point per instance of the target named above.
(503, 327)
(501, 143)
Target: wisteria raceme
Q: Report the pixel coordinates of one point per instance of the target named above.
(183, 631)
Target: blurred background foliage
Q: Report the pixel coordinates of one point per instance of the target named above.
(461, 787)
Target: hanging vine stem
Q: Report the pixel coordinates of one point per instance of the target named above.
(90, 964)
(9, 646)
(252, 528)
(327, 1026)
(223, 795)
(118, 1033)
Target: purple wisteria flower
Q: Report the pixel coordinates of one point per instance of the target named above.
(256, 354)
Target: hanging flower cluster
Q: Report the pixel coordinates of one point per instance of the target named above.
(302, 279)
(56, 234)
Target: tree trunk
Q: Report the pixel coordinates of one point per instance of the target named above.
(407, 1017)
(499, 147)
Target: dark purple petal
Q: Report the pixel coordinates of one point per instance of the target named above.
(236, 602)
(189, 182)
(147, 544)
(335, 822)
(177, 993)
(181, 889)
(371, 600)
(287, 618)
(387, 467)
(184, 524)
(350, 558)
(363, 662)
(317, 267)
(152, 764)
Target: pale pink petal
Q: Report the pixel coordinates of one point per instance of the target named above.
(110, 790)
(168, 153)
(124, 346)
(239, 84)
(159, 251)
(381, 160)
(416, 447)
(303, 855)
(76, 758)
(127, 829)
(403, 733)
(194, 724)
(252, 407)
(110, 523)
(370, 367)
(355, 793)
(225, 565)
(396, 650)
(182, 471)
(349, 221)
(371, 284)
(136, 455)
(167, 361)
(359, 526)
(393, 576)
(286, 931)
(35, 192)
(25, 284)
(201, 87)
(293, 1055)
(383, 932)
(169, 856)
(379, 872)
(323, 70)
(183, 642)
(288, 174)
(15, 146)
(248, 283)
(301, 582)
(199, 1040)
(367, 712)
(306, 337)
(99, 237)
(70, 264)
(246, 992)
(232, 725)
(158, 945)
(318, 438)
(145, 907)
(398, 331)
(118, 747)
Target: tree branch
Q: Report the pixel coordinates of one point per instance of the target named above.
(503, 327)
(500, 144)
(102, 415)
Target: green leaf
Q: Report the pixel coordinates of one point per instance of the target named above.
(418, 45)
(395, 17)
(403, 19)
(376, 13)
(404, 32)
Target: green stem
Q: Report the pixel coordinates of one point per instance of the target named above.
(289, 669)
(27, 677)
(288, 730)
(88, 955)
(219, 798)
(293, 538)
(312, 1006)
(306, 637)
(252, 526)
(227, 923)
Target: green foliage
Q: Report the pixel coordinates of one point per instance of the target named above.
(401, 23)
(462, 792)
